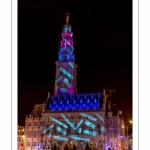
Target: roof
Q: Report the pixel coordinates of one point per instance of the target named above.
(37, 110)
(75, 102)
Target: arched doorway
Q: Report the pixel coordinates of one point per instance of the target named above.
(92, 145)
(99, 145)
(123, 144)
(72, 145)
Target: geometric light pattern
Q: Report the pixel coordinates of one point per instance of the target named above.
(51, 126)
(79, 138)
(88, 116)
(60, 138)
(61, 130)
(60, 123)
(91, 125)
(90, 132)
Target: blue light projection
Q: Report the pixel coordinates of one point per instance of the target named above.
(74, 137)
(60, 123)
(51, 126)
(66, 81)
(66, 41)
(102, 129)
(66, 73)
(91, 125)
(60, 138)
(93, 133)
(79, 124)
(88, 116)
(75, 102)
(49, 135)
(64, 90)
(71, 65)
(100, 117)
(59, 79)
(80, 129)
(71, 124)
(61, 130)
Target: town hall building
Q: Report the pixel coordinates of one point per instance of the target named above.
(69, 118)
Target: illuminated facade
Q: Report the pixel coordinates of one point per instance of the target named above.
(21, 137)
(66, 69)
(115, 130)
(68, 117)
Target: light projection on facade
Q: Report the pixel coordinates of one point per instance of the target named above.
(91, 125)
(80, 129)
(60, 123)
(67, 120)
(74, 137)
(88, 116)
(60, 138)
(90, 132)
(66, 100)
(49, 135)
(65, 66)
(75, 102)
(100, 117)
(51, 126)
(102, 129)
(61, 130)
(66, 73)
(79, 124)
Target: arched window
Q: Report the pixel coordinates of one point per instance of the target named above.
(83, 128)
(69, 130)
(54, 129)
(47, 131)
(90, 129)
(98, 129)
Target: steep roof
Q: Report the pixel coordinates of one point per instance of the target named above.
(37, 110)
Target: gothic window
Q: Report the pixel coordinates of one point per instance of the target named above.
(69, 131)
(47, 132)
(116, 144)
(115, 133)
(98, 129)
(111, 144)
(111, 134)
(29, 134)
(34, 134)
(83, 128)
(114, 123)
(90, 129)
(110, 122)
(54, 129)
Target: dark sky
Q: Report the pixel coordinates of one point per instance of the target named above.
(103, 48)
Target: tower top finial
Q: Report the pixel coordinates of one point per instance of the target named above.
(67, 18)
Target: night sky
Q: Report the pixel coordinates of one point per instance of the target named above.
(102, 33)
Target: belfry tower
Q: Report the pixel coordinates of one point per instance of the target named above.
(66, 69)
